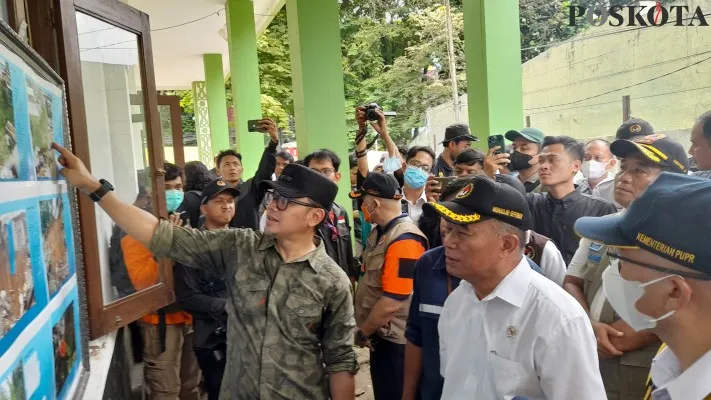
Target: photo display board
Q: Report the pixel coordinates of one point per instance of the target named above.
(40, 348)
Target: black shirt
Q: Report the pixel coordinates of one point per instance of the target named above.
(250, 194)
(555, 218)
(441, 168)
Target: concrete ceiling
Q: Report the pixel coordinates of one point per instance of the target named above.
(178, 50)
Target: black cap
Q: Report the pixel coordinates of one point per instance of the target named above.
(634, 127)
(216, 187)
(380, 185)
(670, 219)
(658, 148)
(458, 132)
(512, 181)
(484, 199)
(298, 181)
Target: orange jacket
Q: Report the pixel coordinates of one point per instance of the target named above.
(143, 270)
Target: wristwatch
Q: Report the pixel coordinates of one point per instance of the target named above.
(102, 190)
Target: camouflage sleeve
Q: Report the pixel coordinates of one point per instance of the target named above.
(212, 250)
(338, 327)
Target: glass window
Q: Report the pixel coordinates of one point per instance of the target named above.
(113, 97)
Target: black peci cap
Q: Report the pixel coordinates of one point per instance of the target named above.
(634, 127)
(298, 181)
(380, 185)
(657, 148)
(216, 187)
(484, 199)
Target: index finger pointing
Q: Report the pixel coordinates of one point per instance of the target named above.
(63, 151)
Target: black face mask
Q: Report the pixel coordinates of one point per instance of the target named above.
(519, 161)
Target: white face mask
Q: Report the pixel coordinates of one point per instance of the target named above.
(594, 169)
(623, 295)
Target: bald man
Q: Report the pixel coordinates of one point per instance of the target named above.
(662, 281)
(598, 169)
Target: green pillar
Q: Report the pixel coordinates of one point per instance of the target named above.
(492, 43)
(317, 78)
(202, 123)
(246, 97)
(216, 102)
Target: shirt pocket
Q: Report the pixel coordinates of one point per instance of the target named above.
(303, 318)
(253, 297)
(509, 377)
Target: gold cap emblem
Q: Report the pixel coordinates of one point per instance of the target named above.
(220, 183)
(635, 128)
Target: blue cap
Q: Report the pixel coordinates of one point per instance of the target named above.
(671, 219)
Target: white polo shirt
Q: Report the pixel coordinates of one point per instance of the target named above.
(672, 384)
(414, 210)
(527, 338)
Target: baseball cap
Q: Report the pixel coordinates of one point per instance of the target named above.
(380, 185)
(658, 148)
(298, 181)
(531, 134)
(216, 187)
(512, 181)
(634, 127)
(482, 199)
(670, 219)
(458, 131)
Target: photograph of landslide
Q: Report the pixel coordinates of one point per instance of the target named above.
(65, 347)
(39, 106)
(13, 387)
(9, 156)
(16, 283)
(54, 243)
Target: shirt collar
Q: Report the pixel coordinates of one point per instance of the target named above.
(691, 384)
(312, 258)
(513, 288)
(568, 199)
(443, 163)
(421, 200)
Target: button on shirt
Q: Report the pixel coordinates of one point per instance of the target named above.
(526, 338)
(431, 291)
(555, 218)
(289, 324)
(414, 210)
(673, 384)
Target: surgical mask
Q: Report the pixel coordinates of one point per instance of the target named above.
(392, 164)
(594, 169)
(623, 295)
(415, 177)
(367, 214)
(173, 199)
(519, 161)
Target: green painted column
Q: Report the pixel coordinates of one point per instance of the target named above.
(317, 79)
(246, 97)
(202, 123)
(216, 102)
(492, 43)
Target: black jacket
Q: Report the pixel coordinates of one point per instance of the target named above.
(190, 207)
(203, 294)
(247, 213)
(336, 236)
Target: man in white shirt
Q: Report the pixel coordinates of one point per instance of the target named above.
(701, 144)
(663, 279)
(506, 330)
(418, 167)
(598, 169)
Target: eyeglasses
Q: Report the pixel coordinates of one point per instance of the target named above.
(282, 203)
(701, 277)
(325, 171)
(417, 164)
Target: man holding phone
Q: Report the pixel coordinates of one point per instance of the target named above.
(527, 144)
(229, 167)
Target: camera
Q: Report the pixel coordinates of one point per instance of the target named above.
(371, 112)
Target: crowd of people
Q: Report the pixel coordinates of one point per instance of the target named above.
(549, 269)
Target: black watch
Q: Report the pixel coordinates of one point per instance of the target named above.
(102, 190)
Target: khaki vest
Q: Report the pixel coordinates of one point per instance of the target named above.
(624, 377)
(370, 286)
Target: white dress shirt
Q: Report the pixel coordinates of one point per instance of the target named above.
(672, 383)
(414, 210)
(527, 338)
(552, 263)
